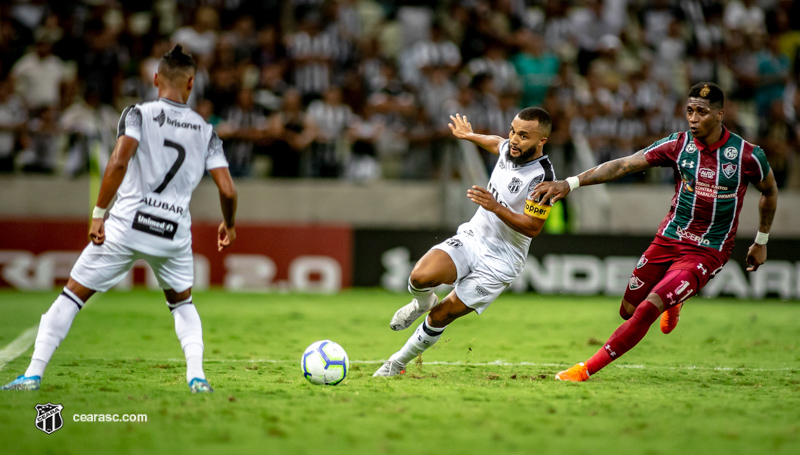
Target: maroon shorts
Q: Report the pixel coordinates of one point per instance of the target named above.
(674, 270)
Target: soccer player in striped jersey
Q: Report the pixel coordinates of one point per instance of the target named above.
(489, 251)
(163, 149)
(713, 168)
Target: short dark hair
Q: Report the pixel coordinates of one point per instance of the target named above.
(708, 91)
(540, 115)
(175, 62)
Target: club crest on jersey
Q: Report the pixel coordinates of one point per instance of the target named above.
(729, 169)
(688, 164)
(455, 243)
(160, 118)
(691, 148)
(48, 417)
(731, 153)
(642, 262)
(635, 283)
(515, 185)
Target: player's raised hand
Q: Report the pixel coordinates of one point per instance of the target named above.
(550, 190)
(483, 198)
(460, 127)
(756, 255)
(226, 236)
(97, 232)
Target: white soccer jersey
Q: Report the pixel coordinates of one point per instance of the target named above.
(510, 184)
(176, 146)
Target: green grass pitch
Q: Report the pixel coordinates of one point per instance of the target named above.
(725, 382)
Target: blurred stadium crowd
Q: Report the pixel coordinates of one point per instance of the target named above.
(363, 89)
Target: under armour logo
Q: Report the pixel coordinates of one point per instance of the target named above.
(671, 298)
(610, 352)
(702, 269)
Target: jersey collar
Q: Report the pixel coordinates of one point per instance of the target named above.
(722, 140)
(173, 103)
(526, 164)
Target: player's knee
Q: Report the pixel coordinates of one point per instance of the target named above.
(656, 300)
(626, 310)
(422, 278)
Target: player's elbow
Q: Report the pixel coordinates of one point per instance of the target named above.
(228, 192)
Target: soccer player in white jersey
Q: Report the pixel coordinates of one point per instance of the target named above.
(163, 149)
(489, 251)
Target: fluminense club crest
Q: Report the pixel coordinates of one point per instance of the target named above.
(515, 185)
(729, 169)
(48, 417)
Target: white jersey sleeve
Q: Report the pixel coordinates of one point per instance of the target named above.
(130, 123)
(215, 157)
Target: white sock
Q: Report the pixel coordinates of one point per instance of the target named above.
(422, 295)
(424, 337)
(190, 333)
(53, 328)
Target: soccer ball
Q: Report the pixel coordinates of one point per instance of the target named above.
(325, 362)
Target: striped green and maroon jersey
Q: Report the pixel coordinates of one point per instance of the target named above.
(710, 184)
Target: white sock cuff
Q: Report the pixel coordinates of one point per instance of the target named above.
(414, 290)
(72, 296)
(432, 331)
(172, 306)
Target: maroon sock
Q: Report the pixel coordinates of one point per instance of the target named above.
(625, 337)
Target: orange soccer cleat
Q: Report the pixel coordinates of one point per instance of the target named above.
(670, 318)
(577, 373)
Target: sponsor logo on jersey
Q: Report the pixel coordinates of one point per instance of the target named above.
(501, 164)
(729, 169)
(455, 243)
(154, 225)
(481, 291)
(496, 195)
(160, 118)
(536, 210)
(702, 268)
(707, 173)
(684, 234)
(642, 262)
(153, 202)
(731, 153)
(515, 185)
(691, 148)
(688, 184)
(48, 417)
(187, 125)
(688, 164)
(635, 283)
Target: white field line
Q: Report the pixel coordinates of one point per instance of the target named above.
(489, 364)
(18, 346)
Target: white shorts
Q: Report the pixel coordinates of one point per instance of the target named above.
(482, 277)
(100, 267)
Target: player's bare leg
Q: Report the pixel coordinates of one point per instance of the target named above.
(626, 309)
(435, 268)
(53, 328)
(426, 335)
(190, 333)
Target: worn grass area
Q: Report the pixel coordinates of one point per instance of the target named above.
(726, 381)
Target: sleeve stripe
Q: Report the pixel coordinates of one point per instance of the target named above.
(655, 146)
(760, 169)
(121, 124)
(549, 175)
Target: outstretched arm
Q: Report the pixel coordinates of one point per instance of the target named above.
(767, 204)
(112, 178)
(227, 200)
(462, 129)
(606, 172)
